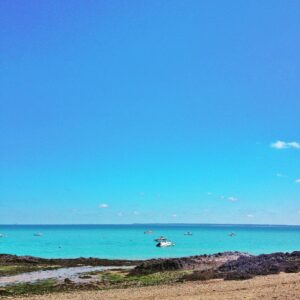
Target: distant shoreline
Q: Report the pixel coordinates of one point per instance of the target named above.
(163, 224)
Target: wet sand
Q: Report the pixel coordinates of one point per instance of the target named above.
(282, 286)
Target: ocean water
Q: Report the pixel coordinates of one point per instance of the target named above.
(130, 242)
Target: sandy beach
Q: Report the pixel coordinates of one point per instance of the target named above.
(280, 286)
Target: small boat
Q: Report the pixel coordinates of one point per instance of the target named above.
(148, 232)
(165, 244)
(160, 239)
(188, 233)
(38, 234)
(232, 234)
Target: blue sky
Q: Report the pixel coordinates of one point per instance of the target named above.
(150, 111)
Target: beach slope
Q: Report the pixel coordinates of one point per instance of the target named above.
(280, 286)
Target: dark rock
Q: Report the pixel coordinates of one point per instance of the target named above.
(4, 292)
(85, 276)
(199, 262)
(292, 269)
(7, 259)
(295, 253)
(264, 264)
(227, 265)
(67, 281)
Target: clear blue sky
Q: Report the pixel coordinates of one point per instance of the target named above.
(150, 111)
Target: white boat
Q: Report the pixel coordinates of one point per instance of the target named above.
(165, 244)
(38, 234)
(161, 239)
(188, 233)
(148, 232)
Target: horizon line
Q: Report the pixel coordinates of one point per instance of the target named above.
(146, 224)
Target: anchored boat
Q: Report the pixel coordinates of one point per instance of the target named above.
(148, 232)
(38, 234)
(188, 233)
(165, 244)
(161, 239)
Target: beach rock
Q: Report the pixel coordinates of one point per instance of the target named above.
(247, 267)
(199, 262)
(68, 281)
(3, 291)
(85, 276)
(7, 259)
(227, 265)
(14, 259)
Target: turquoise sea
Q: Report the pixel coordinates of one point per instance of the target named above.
(129, 241)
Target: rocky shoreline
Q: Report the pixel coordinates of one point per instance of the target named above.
(227, 265)
(8, 259)
(135, 273)
(247, 267)
(197, 262)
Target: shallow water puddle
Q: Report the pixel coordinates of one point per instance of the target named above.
(59, 274)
